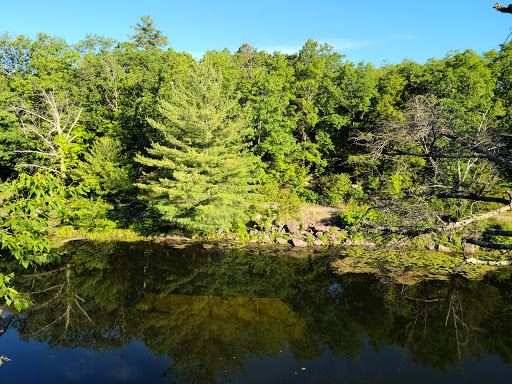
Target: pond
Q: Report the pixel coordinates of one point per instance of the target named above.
(138, 312)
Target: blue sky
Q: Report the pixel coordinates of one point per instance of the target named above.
(372, 31)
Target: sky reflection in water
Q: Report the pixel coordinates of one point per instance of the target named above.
(118, 312)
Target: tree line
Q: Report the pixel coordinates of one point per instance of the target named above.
(405, 147)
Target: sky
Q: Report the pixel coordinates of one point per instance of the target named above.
(379, 32)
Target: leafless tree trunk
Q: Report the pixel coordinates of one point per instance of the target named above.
(462, 164)
(51, 126)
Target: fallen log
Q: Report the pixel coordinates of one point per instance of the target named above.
(498, 232)
(486, 244)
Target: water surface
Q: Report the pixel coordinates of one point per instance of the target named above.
(138, 312)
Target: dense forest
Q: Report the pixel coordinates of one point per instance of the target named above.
(104, 133)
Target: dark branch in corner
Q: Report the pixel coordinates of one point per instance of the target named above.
(502, 8)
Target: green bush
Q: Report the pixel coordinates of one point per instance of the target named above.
(90, 214)
(333, 189)
(351, 214)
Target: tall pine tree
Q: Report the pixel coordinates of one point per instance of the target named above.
(201, 179)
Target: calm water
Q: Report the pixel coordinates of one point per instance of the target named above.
(114, 312)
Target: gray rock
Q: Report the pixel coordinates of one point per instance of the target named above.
(292, 228)
(469, 249)
(299, 243)
(442, 248)
(319, 234)
(280, 240)
(170, 237)
(322, 228)
(318, 242)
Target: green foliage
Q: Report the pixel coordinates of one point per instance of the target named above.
(103, 170)
(288, 172)
(10, 295)
(30, 208)
(90, 214)
(351, 215)
(201, 179)
(333, 188)
(147, 36)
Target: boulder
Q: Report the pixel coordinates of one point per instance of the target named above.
(318, 242)
(321, 228)
(319, 234)
(299, 243)
(280, 240)
(442, 248)
(170, 237)
(292, 227)
(469, 249)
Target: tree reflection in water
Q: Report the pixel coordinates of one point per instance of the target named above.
(212, 312)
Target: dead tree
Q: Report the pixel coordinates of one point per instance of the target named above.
(502, 8)
(50, 125)
(462, 162)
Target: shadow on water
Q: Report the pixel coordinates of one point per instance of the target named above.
(224, 316)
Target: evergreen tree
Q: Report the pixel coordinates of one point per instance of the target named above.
(201, 179)
(147, 36)
(103, 169)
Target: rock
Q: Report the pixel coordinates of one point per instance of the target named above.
(505, 262)
(318, 242)
(469, 249)
(291, 227)
(170, 237)
(335, 235)
(257, 218)
(319, 234)
(369, 244)
(299, 243)
(307, 234)
(431, 247)
(442, 248)
(471, 260)
(321, 228)
(208, 246)
(280, 240)
(349, 243)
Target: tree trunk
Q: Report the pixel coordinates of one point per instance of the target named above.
(486, 244)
